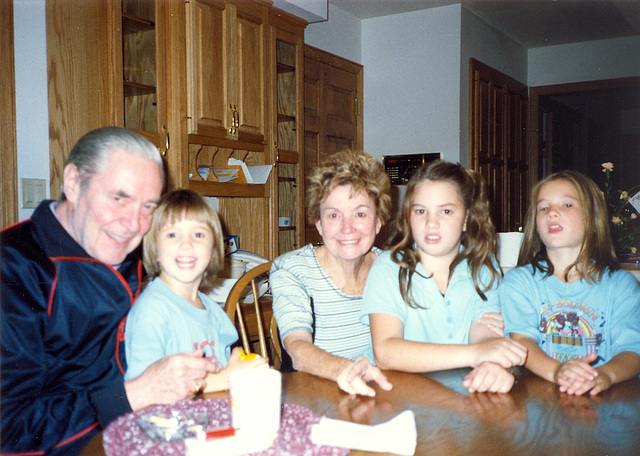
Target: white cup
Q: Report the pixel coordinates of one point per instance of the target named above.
(509, 248)
(256, 401)
(284, 221)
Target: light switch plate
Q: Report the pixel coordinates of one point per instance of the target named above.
(33, 191)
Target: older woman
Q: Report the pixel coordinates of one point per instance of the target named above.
(317, 291)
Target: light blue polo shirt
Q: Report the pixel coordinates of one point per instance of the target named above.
(444, 319)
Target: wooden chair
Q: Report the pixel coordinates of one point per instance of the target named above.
(274, 339)
(241, 312)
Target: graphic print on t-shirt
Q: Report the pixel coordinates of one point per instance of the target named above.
(209, 348)
(570, 330)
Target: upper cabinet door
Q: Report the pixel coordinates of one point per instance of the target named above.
(143, 35)
(226, 69)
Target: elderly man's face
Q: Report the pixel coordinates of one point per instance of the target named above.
(112, 215)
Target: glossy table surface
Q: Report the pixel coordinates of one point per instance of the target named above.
(533, 419)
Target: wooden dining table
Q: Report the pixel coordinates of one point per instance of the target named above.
(533, 419)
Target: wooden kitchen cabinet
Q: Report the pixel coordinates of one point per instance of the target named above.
(199, 79)
(226, 61)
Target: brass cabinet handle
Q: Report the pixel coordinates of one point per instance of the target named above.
(235, 119)
(236, 116)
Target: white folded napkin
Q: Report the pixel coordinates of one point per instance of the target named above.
(398, 435)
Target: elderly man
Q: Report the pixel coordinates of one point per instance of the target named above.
(69, 276)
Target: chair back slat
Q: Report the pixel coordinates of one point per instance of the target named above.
(234, 305)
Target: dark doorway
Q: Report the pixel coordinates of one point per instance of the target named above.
(582, 125)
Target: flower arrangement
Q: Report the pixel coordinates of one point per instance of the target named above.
(624, 210)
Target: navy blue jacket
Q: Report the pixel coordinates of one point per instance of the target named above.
(62, 331)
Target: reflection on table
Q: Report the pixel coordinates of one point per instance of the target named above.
(533, 419)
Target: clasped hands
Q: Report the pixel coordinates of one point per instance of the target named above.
(493, 358)
(577, 376)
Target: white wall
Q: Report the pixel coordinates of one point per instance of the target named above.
(491, 47)
(32, 114)
(339, 35)
(411, 83)
(416, 74)
(591, 60)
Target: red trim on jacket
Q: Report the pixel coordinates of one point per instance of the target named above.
(57, 445)
(53, 288)
(120, 338)
(77, 436)
(93, 260)
(11, 226)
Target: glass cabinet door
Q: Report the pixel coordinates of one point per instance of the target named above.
(140, 44)
(288, 158)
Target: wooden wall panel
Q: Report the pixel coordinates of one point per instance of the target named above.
(9, 173)
(78, 100)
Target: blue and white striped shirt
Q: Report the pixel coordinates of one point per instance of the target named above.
(306, 299)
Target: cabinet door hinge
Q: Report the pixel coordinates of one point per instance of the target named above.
(358, 107)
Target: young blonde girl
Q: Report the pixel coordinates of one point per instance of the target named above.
(183, 251)
(568, 301)
(431, 301)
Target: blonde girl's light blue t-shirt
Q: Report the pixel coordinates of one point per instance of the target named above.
(161, 323)
(444, 319)
(572, 320)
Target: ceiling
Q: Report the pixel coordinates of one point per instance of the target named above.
(529, 23)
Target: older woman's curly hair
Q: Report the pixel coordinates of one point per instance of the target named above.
(357, 169)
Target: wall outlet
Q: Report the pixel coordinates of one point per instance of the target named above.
(33, 191)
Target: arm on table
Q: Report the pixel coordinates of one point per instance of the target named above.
(351, 376)
(621, 367)
(538, 361)
(577, 376)
(392, 351)
(488, 376)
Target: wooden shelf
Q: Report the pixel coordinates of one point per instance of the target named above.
(134, 88)
(287, 228)
(288, 156)
(284, 68)
(286, 118)
(228, 189)
(287, 179)
(205, 140)
(134, 24)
